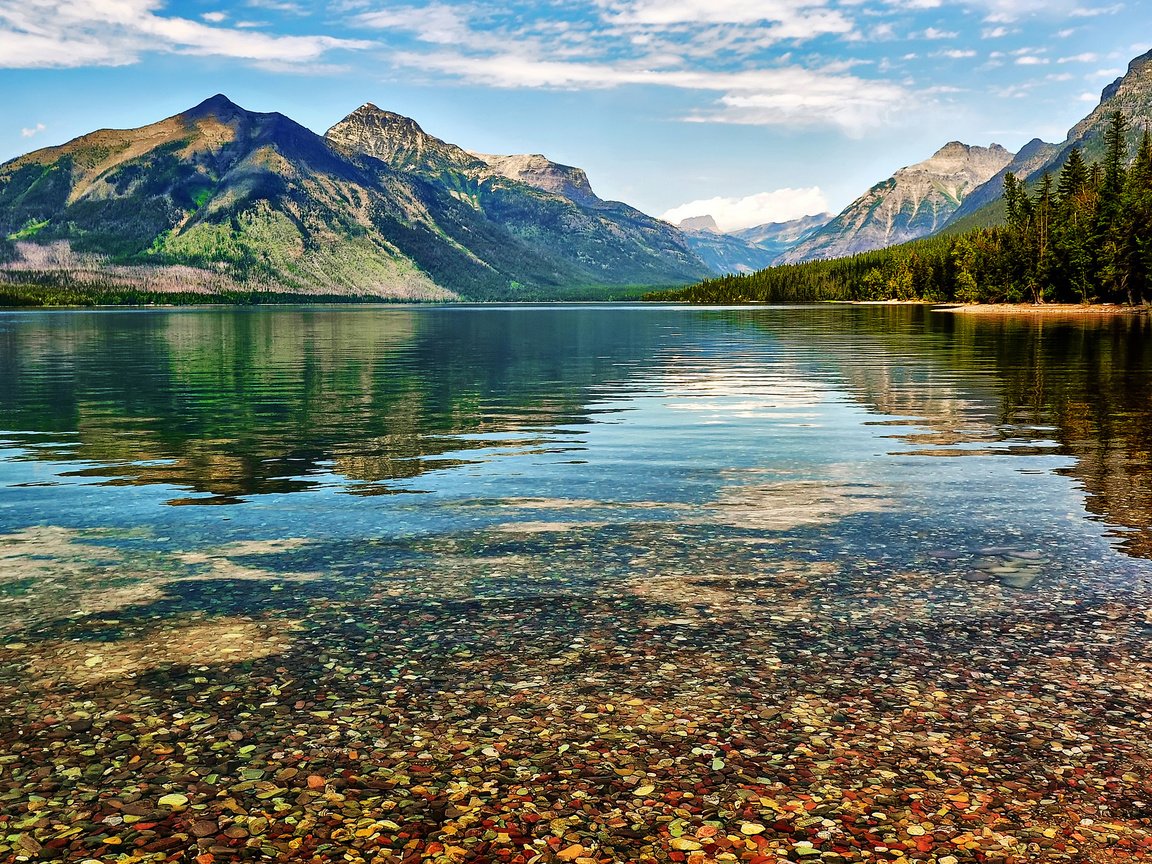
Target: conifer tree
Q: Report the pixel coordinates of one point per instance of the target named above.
(1074, 176)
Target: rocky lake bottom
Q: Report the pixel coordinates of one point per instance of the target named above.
(756, 586)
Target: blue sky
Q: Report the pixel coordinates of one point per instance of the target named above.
(772, 107)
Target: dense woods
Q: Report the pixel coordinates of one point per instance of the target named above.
(1084, 236)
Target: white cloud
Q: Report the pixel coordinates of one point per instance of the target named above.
(215, 17)
(435, 23)
(1031, 60)
(33, 131)
(1087, 57)
(732, 214)
(71, 33)
(933, 33)
(994, 32)
(786, 96)
(710, 11)
(1094, 11)
(1008, 11)
(956, 53)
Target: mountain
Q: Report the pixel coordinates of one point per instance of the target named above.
(549, 209)
(699, 223)
(1030, 161)
(219, 197)
(1130, 94)
(779, 238)
(542, 173)
(915, 202)
(748, 249)
(724, 253)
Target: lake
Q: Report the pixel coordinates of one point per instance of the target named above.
(575, 583)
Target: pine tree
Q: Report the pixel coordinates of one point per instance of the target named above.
(1137, 223)
(1111, 248)
(1041, 235)
(1074, 176)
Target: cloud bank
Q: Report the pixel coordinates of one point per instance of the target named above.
(732, 214)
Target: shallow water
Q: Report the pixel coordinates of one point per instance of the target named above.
(740, 518)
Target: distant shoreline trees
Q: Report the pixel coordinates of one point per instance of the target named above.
(1084, 237)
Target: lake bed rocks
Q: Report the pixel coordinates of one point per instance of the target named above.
(603, 693)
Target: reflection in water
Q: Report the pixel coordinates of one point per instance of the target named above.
(678, 585)
(232, 404)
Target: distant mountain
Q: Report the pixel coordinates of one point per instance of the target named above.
(781, 237)
(699, 223)
(724, 253)
(218, 197)
(915, 202)
(748, 249)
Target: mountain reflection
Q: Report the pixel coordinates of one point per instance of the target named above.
(231, 404)
(225, 404)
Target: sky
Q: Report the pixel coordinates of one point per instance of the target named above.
(749, 110)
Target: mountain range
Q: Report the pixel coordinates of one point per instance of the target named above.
(219, 196)
(956, 188)
(914, 202)
(748, 249)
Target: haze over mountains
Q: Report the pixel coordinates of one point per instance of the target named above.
(747, 249)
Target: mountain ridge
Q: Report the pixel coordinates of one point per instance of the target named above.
(1130, 94)
(916, 201)
(747, 249)
(219, 195)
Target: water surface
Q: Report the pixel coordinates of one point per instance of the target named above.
(363, 539)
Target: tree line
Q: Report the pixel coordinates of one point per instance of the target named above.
(1082, 237)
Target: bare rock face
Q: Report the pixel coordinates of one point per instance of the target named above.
(699, 223)
(542, 173)
(1131, 95)
(399, 141)
(915, 202)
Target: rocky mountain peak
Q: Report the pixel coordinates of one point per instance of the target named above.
(699, 223)
(1139, 68)
(977, 164)
(398, 141)
(542, 173)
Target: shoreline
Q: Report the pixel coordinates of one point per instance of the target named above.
(1042, 309)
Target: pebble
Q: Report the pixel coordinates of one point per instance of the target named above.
(692, 703)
